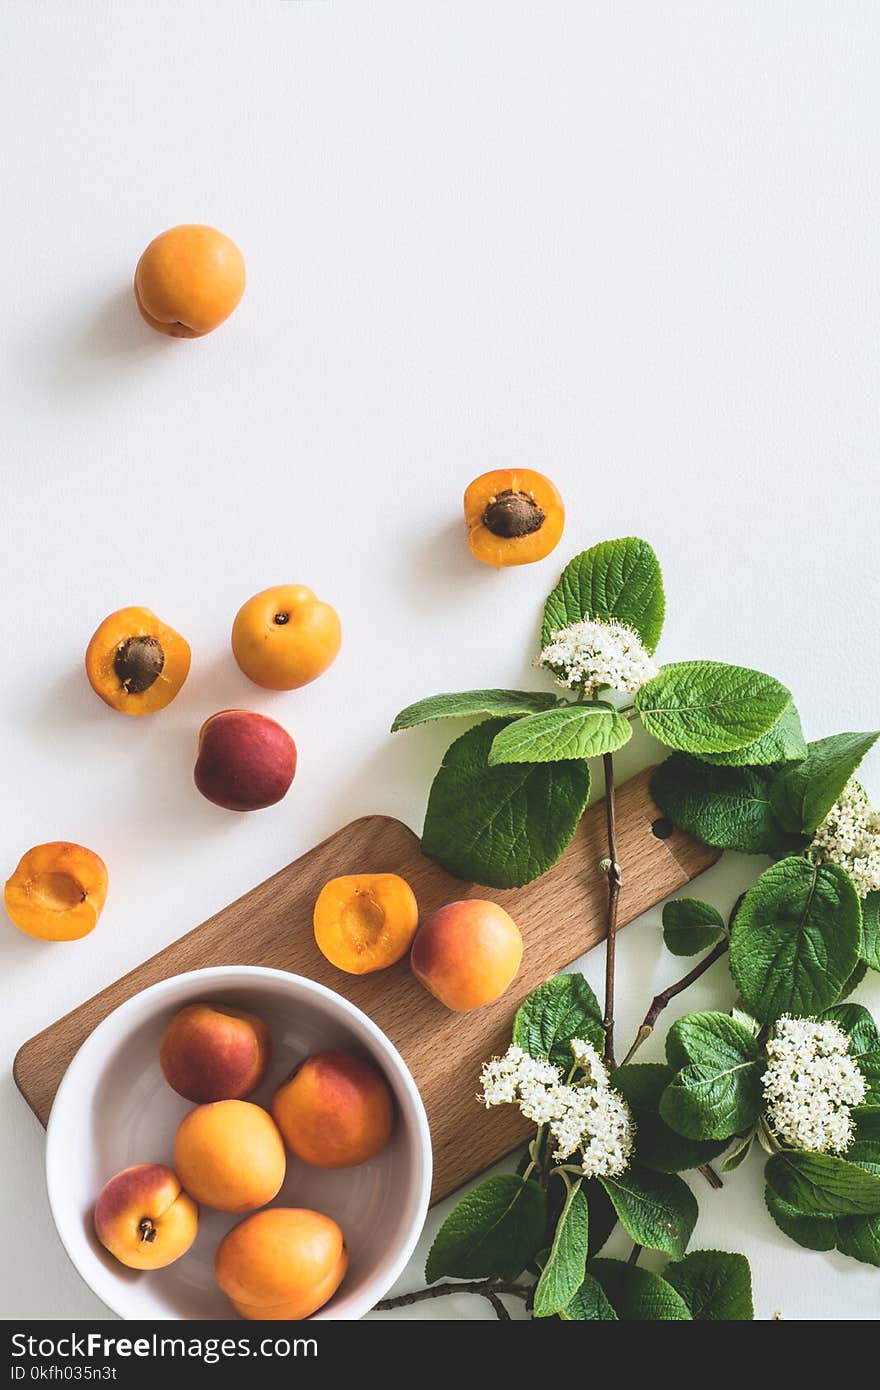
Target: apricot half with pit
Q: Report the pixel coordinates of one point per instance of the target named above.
(513, 516)
(283, 638)
(136, 663)
(213, 1052)
(245, 761)
(281, 1264)
(57, 891)
(189, 280)
(365, 922)
(335, 1111)
(144, 1218)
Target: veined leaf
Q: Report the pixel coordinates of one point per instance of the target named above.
(637, 1295)
(715, 1285)
(710, 707)
(822, 1185)
(804, 793)
(557, 1011)
(659, 1147)
(564, 1271)
(494, 1231)
(691, 926)
(589, 1304)
(717, 1091)
(724, 806)
(656, 1210)
(558, 735)
(783, 743)
(871, 930)
(615, 579)
(856, 1236)
(465, 704)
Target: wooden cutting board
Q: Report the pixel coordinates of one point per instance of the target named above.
(561, 916)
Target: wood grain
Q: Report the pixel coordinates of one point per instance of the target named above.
(561, 916)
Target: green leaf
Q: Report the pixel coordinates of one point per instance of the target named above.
(501, 826)
(724, 806)
(589, 1304)
(659, 1147)
(867, 1122)
(495, 1230)
(615, 579)
(796, 939)
(637, 1295)
(564, 1271)
(715, 1285)
(804, 793)
(691, 926)
(717, 1092)
(783, 743)
(710, 707)
(864, 1043)
(603, 1217)
(739, 1154)
(871, 930)
(859, 972)
(557, 1011)
(856, 1236)
(656, 1210)
(558, 735)
(823, 1184)
(464, 704)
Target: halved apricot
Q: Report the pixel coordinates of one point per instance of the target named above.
(364, 922)
(135, 662)
(57, 892)
(513, 516)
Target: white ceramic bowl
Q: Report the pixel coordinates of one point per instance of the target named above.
(114, 1108)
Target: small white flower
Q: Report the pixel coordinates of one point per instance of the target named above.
(810, 1084)
(850, 836)
(585, 1117)
(596, 653)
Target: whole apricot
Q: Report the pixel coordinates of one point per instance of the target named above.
(281, 1264)
(513, 516)
(285, 637)
(230, 1156)
(136, 663)
(144, 1218)
(335, 1111)
(57, 891)
(365, 922)
(188, 281)
(467, 954)
(245, 761)
(212, 1052)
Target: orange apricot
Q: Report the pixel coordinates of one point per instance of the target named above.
(467, 954)
(285, 637)
(281, 1264)
(144, 1218)
(513, 516)
(365, 922)
(57, 892)
(135, 663)
(229, 1155)
(188, 281)
(335, 1111)
(213, 1052)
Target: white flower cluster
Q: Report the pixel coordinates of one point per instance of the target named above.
(810, 1083)
(850, 836)
(595, 653)
(585, 1116)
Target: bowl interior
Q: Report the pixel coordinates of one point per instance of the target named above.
(114, 1108)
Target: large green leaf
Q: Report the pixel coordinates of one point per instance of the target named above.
(691, 926)
(717, 1091)
(657, 1210)
(783, 743)
(494, 1231)
(557, 1011)
(871, 930)
(501, 826)
(637, 1295)
(856, 1236)
(615, 579)
(724, 806)
(715, 1285)
(563, 1273)
(804, 793)
(642, 1084)
(710, 707)
(465, 704)
(589, 1304)
(817, 1184)
(558, 735)
(795, 940)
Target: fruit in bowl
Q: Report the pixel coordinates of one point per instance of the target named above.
(335, 1111)
(284, 1263)
(230, 1156)
(245, 761)
(144, 1218)
(283, 638)
(57, 891)
(467, 953)
(212, 1052)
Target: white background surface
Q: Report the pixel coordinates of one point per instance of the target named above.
(630, 244)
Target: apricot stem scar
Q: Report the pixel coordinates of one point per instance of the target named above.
(147, 1230)
(282, 618)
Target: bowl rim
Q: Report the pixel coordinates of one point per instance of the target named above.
(100, 1280)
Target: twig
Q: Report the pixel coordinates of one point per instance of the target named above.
(611, 920)
(659, 1002)
(501, 1312)
(710, 1175)
(484, 1287)
(634, 1254)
